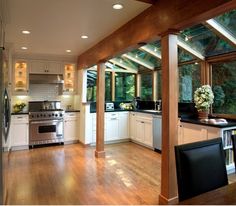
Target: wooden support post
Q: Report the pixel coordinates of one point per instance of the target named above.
(113, 85)
(154, 85)
(169, 118)
(100, 110)
(138, 79)
(205, 73)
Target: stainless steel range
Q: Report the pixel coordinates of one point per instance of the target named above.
(45, 122)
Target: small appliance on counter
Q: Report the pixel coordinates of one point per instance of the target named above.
(135, 104)
(109, 106)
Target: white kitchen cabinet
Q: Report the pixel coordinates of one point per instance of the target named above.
(71, 127)
(111, 126)
(19, 131)
(116, 126)
(148, 133)
(194, 133)
(141, 128)
(123, 125)
(132, 125)
(45, 67)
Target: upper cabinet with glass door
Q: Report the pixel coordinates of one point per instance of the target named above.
(69, 79)
(21, 77)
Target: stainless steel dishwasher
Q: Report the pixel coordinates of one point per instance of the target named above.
(157, 134)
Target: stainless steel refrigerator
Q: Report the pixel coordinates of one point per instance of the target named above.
(4, 125)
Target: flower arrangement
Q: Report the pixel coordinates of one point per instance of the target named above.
(203, 98)
(18, 107)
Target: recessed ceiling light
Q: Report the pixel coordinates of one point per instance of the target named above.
(155, 49)
(25, 32)
(84, 37)
(24, 48)
(117, 6)
(68, 50)
(196, 63)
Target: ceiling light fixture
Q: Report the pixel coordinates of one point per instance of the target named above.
(186, 38)
(68, 50)
(117, 6)
(24, 48)
(84, 37)
(25, 32)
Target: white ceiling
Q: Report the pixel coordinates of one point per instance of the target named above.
(57, 25)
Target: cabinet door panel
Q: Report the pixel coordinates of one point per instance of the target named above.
(132, 124)
(112, 128)
(71, 132)
(123, 126)
(140, 131)
(54, 68)
(19, 134)
(194, 134)
(148, 134)
(38, 67)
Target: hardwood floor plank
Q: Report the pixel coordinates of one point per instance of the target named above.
(130, 174)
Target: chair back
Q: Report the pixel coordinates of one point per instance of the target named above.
(234, 149)
(200, 167)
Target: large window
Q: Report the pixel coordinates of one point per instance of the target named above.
(124, 86)
(189, 81)
(224, 87)
(92, 87)
(146, 86)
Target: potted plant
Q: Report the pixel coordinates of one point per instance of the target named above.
(203, 98)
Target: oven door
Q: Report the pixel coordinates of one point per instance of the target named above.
(45, 130)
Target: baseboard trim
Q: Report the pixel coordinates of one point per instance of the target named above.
(164, 201)
(16, 148)
(100, 154)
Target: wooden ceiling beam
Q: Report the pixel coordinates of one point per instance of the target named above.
(151, 23)
(148, 1)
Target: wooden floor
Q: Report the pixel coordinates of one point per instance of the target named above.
(130, 174)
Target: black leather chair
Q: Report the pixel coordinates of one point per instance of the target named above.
(234, 149)
(200, 167)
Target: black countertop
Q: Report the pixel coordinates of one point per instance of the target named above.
(19, 113)
(72, 110)
(231, 123)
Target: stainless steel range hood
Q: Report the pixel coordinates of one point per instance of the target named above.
(46, 79)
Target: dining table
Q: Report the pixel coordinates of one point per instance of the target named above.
(225, 195)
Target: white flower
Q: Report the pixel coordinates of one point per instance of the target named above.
(203, 97)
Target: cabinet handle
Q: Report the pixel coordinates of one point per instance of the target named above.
(142, 122)
(113, 118)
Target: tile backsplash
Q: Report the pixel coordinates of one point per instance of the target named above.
(50, 92)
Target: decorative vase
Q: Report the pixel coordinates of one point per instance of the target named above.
(203, 114)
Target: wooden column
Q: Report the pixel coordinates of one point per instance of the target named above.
(100, 110)
(113, 85)
(169, 118)
(138, 85)
(205, 72)
(154, 85)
